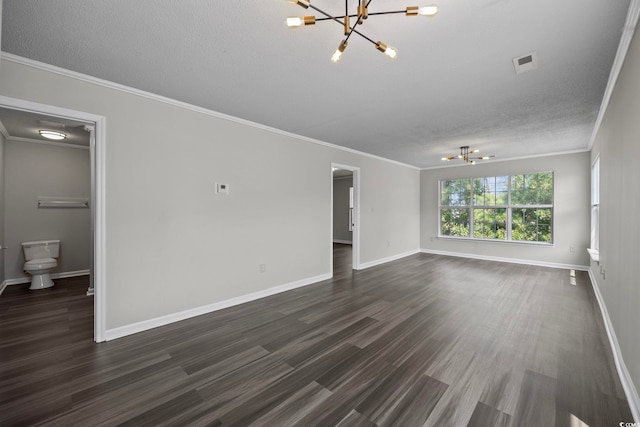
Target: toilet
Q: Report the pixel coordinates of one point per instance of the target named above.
(40, 259)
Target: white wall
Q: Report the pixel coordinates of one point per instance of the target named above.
(571, 210)
(618, 146)
(2, 236)
(37, 170)
(341, 209)
(173, 245)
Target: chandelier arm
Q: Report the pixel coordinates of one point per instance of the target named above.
(325, 14)
(336, 19)
(353, 16)
(363, 36)
(387, 13)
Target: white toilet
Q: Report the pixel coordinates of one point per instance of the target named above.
(40, 260)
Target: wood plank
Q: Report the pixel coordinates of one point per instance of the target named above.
(425, 340)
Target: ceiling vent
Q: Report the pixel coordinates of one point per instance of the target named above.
(52, 124)
(525, 63)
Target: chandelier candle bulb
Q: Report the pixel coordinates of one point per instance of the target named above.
(389, 51)
(430, 10)
(338, 53)
(299, 21)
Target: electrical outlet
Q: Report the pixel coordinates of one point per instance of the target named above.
(263, 268)
(572, 249)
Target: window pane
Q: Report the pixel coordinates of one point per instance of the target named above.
(490, 191)
(454, 222)
(595, 183)
(531, 225)
(532, 189)
(490, 223)
(595, 228)
(544, 183)
(455, 192)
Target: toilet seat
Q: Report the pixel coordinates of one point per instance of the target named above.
(39, 264)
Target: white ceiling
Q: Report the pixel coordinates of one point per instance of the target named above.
(453, 83)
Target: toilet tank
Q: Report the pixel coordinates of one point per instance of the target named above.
(41, 249)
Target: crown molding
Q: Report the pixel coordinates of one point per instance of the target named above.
(111, 85)
(618, 62)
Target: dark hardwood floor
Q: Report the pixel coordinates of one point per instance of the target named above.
(425, 340)
(342, 261)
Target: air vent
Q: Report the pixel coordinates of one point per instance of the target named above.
(526, 63)
(52, 124)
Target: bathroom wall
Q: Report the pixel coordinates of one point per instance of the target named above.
(33, 170)
(2, 239)
(341, 231)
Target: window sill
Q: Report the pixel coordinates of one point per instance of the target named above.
(594, 254)
(501, 242)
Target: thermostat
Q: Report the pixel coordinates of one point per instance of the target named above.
(222, 188)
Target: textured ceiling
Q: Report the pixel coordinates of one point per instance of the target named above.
(452, 84)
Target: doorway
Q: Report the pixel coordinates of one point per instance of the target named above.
(94, 127)
(345, 219)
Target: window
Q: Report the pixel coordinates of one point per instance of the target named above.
(508, 208)
(595, 206)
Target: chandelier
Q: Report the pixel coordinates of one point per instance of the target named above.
(464, 155)
(361, 15)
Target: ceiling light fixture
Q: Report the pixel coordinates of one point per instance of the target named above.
(50, 134)
(464, 155)
(360, 16)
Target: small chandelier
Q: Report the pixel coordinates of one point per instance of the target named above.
(464, 155)
(360, 16)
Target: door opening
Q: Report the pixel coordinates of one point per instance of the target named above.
(345, 224)
(95, 126)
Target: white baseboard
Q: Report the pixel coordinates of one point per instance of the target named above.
(625, 378)
(510, 260)
(111, 334)
(344, 242)
(385, 260)
(63, 275)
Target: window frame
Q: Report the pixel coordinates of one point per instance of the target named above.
(594, 229)
(509, 207)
